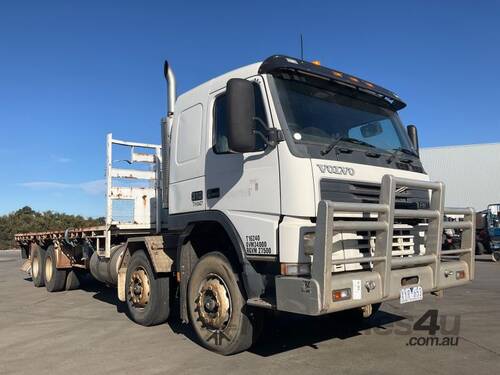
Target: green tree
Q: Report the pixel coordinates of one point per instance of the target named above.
(27, 220)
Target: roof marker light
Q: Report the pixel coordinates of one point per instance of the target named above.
(337, 74)
(316, 62)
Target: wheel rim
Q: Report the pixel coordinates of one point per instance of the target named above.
(48, 268)
(213, 304)
(139, 288)
(35, 266)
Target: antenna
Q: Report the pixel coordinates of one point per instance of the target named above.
(301, 47)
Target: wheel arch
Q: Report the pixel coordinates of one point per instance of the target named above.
(190, 226)
(159, 254)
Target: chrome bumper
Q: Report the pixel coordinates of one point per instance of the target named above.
(313, 295)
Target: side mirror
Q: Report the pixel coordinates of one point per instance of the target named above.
(413, 134)
(240, 115)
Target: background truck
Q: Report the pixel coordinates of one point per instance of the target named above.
(282, 185)
(488, 231)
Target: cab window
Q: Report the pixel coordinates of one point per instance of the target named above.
(220, 122)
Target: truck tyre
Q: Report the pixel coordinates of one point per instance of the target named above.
(217, 308)
(54, 278)
(495, 256)
(38, 266)
(148, 301)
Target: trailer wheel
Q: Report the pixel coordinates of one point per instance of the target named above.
(37, 266)
(54, 278)
(147, 293)
(217, 308)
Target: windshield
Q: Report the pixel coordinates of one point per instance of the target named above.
(494, 216)
(318, 112)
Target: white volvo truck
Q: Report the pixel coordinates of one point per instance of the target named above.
(281, 185)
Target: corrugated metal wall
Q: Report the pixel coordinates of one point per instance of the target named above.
(471, 173)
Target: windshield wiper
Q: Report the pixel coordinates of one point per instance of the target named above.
(402, 151)
(336, 141)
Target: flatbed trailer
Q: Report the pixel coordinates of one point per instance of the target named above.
(252, 203)
(95, 236)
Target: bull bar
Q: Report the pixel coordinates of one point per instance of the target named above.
(313, 295)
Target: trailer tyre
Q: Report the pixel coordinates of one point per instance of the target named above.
(38, 266)
(148, 301)
(217, 308)
(55, 278)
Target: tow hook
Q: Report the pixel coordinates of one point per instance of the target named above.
(370, 285)
(367, 311)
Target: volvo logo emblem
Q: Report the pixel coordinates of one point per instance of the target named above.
(334, 169)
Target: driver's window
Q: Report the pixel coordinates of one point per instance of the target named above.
(220, 122)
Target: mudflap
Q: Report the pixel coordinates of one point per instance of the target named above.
(26, 267)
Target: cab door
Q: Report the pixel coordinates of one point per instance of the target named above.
(244, 186)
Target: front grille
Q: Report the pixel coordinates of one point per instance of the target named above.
(407, 241)
(364, 192)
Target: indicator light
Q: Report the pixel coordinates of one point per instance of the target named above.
(341, 294)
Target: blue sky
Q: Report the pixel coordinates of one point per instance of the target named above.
(72, 71)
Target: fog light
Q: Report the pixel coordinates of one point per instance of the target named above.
(309, 243)
(295, 269)
(341, 294)
(460, 275)
(448, 273)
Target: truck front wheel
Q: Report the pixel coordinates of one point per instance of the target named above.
(217, 308)
(55, 278)
(147, 293)
(37, 266)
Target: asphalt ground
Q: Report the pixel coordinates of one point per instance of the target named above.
(86, 331)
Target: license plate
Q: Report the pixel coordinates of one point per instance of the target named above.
(411, 294)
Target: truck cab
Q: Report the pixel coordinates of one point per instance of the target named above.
(320, 188)
(271, 190)
(493, 224)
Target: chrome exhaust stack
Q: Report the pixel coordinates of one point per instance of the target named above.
(166, 128)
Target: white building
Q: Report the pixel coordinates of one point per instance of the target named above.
(471, 173)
